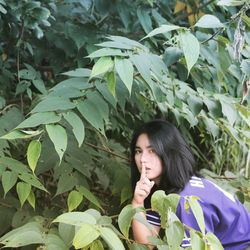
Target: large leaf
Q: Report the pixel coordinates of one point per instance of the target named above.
(58, 136)
(95, 110)
(214, 241)
(125, 70)
(30, 233)
(111, 238)
(85, 235)
(191, 48)
(125, 218)
(53, 103)
(197, 212)
(76, 218)
(38, 119)
(103, 65)
(78, 127)
(209, 21)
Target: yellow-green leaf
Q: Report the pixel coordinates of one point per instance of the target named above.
(85, 235)
(23, 191)
(74, 200)
(33, 154)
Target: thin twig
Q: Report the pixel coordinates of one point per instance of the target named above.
(7, 107)
(106, 150)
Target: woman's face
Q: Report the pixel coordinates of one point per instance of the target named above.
(145, 155)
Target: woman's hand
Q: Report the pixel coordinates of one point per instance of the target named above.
(142, 189)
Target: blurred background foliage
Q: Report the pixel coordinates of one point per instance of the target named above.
(78, 76)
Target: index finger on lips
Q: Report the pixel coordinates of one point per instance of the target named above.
(143, 172)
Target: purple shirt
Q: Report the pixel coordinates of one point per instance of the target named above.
(224, 215)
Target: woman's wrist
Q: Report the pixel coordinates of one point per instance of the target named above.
(136, 204)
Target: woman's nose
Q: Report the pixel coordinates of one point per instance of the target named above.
(144, 156)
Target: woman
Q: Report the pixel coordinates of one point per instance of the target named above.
(161, 159)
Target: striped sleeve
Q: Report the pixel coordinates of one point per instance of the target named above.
(153, 218)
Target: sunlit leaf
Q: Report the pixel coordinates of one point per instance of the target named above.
(33, 154)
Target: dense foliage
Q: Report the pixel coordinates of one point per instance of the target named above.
(78, 76)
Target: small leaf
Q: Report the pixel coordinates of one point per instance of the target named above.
(162, 29)
(23, 191)
(20, 134)
(85, 236)
(107, 52)
(79, 72)
(9, 179)
(111, 82)
(32, 199)
(103, 65)
(213, 241)
(74, 200)
(58, 136)
(209, 21)
(33, 154)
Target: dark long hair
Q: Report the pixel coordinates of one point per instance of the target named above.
(176, 155)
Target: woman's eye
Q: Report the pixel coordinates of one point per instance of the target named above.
(151, 151)
(137, 152)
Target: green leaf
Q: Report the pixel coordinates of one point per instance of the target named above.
(20, 134)
(85, 235)
(53, 103)
(197, 211)
(66, 183)
(230, 2)
(229, 112)
(245, 67)
(209, 21)
(175, 234)
(9, 179)
(75, 218)
(32, 180)
(77, 82)
(96, 245)
(111, 239)
(125, 70)
(125, 218)
(33, 154)
(107, 52)
(58, 136)
(32, 199)
(54, 242)
(89, 196)
(23, 191)
(74, 200)
(103, 65)
(162, 29)
(95, 110)
(191, 48)
(196, 241)
(214, 241)
(78, 127)
(144, 19)
(79, 72)
(38, 119)
(111, 82)
(39, 84)
(30, 233)
(40, 13)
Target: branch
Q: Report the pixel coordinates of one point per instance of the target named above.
(106, 150)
